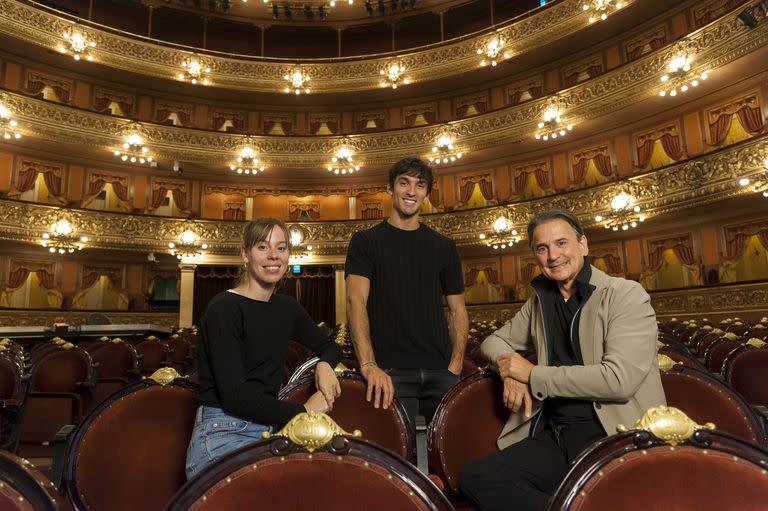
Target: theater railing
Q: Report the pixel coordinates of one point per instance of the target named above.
(47, 317)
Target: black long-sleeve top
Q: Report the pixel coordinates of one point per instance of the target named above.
(242, 349)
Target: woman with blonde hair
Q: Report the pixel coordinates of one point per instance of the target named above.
(243, 343)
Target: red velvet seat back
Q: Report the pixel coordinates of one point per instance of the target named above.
(115, 360)
(154, 355)
(466, 425)
(25, 488)
(746, 371)
(129, 453)
(686, 478)
(705, 399)
(348, 474)
(10, 381)
(61, 370)
(718, 352)
(388, 428)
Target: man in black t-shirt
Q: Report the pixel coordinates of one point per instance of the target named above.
(397, 274)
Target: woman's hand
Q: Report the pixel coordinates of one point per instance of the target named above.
(317, 403)
(327, 383)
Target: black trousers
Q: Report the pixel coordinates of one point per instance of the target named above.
(420, 390)
(524, 476)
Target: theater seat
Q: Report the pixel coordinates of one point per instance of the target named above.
(704, 398)
(388, 428)
(717, 353)
(467, 423)
(129, 453)
(11, 400)
(118, 366)
(154, 355)
(666, 462)
(745, 370)
(316, 466)
(25, 488)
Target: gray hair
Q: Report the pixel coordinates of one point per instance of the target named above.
(554, 214)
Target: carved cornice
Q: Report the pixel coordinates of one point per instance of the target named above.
(141, 55)
(715, 45)
(710, 178)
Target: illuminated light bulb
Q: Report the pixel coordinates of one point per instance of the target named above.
(744, 181)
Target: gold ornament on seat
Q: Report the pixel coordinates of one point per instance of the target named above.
(757, 343)
(311, 430)
(340, 369)
(665, 362)
(668, 424)
(165, 375)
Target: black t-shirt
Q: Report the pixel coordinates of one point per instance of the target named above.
(242, 349)
(410, 272)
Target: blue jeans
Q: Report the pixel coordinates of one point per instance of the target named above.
(217, 434)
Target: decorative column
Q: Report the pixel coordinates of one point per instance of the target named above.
(187, 293)
(341, 293)
(249, 208)
(352, 208)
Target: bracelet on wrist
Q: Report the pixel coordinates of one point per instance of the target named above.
(367, 364)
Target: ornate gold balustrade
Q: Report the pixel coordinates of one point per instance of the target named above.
(20, 317)
(716, 302)
(137, 54)
(697, 182)
(715, 45)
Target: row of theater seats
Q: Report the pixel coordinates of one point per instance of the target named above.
(129, 453)
(47, 384)
(734, 351)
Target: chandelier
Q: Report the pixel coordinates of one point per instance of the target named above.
(297, 81)
(194, 71)
(602, 9)
(679, 78)
(393, 75)
(760, 183)
(623, 214)
(8, 125)
(187, 247)
(444, 151)
(503, 234)
(133, 149)
(61, 239)
(298, 250)
(247, 162)
(78, 43)
(342, 161)
(552, 126)
(493, 51)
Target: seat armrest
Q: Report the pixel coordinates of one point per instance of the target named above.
(59, 453)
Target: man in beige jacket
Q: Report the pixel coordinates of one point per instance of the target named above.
(594, 337)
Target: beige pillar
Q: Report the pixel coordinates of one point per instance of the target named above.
(352, 208)
(186, 293)
(341, 293)
(249, 208)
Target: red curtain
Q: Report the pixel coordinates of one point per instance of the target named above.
(612, 263)
(732, 4)
(218, 122)
(434, 196)
(27, 179)
(121, 190)
(471, 277)
(268, 125)
(750, 118)
(46, 279)
(520, 180)
(580, 170)
(409, 119)
(480, 106)
(90, 279)
(603, 164)
(61, 93)
(671, 145)
(593, 71)
(184, 117)
(719, 129)
(763, 237)
(542, 177)
(462, 111)
(234, 214)
(163, 114)
(486, 188)
(158, 196)
(571, 79)
(514, 98)
(53, 182)
(17, 278)
(644, 152)
(180, 198)
(657, 43)
(95, 187)
(101, 104)
(634, 53)
(526, 274)
(465, 191)
(35, 88)
(684, 253)
(492, 275)
(735, 247)
(537, 91)
(654, 258)
(372, 211)
(126, 107)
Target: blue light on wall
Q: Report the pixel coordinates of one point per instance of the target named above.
(542, 2)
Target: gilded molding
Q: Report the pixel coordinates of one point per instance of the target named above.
(140, 55)
(726, 299)
(21, 317)
(710, 47)
(710, 178)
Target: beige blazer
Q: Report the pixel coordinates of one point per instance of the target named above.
(617, 335)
